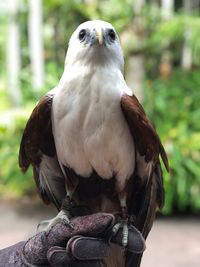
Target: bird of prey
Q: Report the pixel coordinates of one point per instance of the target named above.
(90, 141)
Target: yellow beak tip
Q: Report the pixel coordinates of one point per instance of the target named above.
(99, 34)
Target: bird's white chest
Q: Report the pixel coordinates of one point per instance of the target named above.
(91, 132)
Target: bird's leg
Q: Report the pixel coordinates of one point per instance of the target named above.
(122, 222)
(63, 215)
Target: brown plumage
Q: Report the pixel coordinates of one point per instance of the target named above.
(147, 142)
(37, 137)
(37, 141)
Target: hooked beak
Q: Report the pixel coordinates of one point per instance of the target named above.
(99, 35)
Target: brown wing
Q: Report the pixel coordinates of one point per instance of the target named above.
(147, 184)
(38, 149)
(146, 139)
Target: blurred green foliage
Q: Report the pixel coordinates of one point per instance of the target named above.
(171, 102)
(13, 183)
(173, 105)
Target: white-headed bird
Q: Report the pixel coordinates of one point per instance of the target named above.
(89, 140)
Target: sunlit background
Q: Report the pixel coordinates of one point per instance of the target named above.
(161, 44)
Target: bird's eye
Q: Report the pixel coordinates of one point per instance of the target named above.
(82, 35)
(112, 35)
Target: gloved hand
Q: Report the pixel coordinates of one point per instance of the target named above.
(78, 244)
(85, 246)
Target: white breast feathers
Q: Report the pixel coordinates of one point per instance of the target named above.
(89, 128)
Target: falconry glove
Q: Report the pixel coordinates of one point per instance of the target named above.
(74, 244)
(84, 242)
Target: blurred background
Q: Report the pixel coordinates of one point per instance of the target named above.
(161, 44)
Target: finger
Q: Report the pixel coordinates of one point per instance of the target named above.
(92, 225)
(58, 257)
(87, 248)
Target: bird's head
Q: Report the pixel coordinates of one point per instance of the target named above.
(95, 43)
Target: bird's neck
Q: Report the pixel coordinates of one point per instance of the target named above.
(90, 73)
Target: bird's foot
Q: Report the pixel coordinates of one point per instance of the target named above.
(46, 225)
(122, 224)
(126, 234)
(73, 208)
(68, 210)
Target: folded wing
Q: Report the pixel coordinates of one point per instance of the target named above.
(147, 183)
(38, 149)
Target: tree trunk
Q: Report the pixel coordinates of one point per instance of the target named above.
(165, 66)
(56, 35)
(167, 8)
(13, 55)
(138, 5)
(135, 63)
(186, 60)
(135, 75)
(36, 44)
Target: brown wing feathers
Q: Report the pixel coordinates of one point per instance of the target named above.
(146, 139)
(37, 137)
(150, 196)
(38, 146)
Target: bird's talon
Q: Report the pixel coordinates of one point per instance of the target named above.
(116, 228)
(48, 224)
(125, 235)
(122, 224)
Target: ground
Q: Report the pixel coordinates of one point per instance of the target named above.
(171, 243)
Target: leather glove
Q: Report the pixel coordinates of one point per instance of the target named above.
(79, 243)
(82, 243)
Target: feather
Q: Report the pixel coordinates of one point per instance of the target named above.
(147, 191)
(38, 149)
(147, 205)
(146, 139)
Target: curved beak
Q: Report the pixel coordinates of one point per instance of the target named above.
(99, 35)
